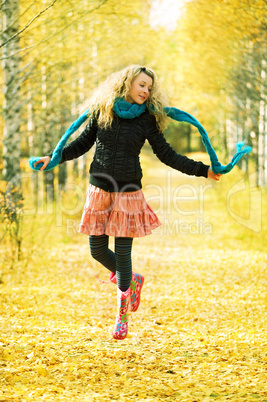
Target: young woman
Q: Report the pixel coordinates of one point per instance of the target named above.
(126, 110)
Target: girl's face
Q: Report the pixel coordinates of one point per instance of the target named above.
(140, 89)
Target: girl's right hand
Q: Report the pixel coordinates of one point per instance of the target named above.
(45, 160)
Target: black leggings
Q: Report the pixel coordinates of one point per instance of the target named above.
(119, 262)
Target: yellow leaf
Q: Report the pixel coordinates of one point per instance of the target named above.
(41, 370)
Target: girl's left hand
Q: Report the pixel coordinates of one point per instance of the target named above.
(214, 176)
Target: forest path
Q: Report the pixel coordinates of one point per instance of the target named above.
(199, 334)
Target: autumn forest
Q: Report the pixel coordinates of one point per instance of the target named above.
(200, 332)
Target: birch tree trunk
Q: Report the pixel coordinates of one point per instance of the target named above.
(11, 109)
(262, 143)
(11, 117)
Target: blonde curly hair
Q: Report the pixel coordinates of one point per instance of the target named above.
(118, 85)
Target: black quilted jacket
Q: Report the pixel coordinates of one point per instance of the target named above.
(116, 161)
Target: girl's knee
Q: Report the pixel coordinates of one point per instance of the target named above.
(95, 254)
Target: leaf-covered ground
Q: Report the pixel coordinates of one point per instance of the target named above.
(200, 331)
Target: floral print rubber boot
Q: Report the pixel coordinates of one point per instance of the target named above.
(135, 289)
(135, 292)
(120, 329)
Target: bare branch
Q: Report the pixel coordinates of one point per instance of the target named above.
(56, 33)
(27, 25)
(14, 21)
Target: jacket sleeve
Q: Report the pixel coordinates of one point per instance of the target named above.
(81, 144)
(168, 156)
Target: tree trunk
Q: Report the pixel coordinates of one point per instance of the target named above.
(49, 176)
(188, 135)
(263, 129)
(11, 117)
(12, 101)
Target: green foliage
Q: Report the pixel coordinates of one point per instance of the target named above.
(183, 138)
(11, 214)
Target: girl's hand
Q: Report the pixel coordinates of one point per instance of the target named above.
(45, 160)
(214, 176)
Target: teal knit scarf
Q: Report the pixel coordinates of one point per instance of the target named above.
(127, 110)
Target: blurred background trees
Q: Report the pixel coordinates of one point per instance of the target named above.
(212, 65)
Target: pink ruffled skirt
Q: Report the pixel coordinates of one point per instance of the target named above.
(117, 214)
